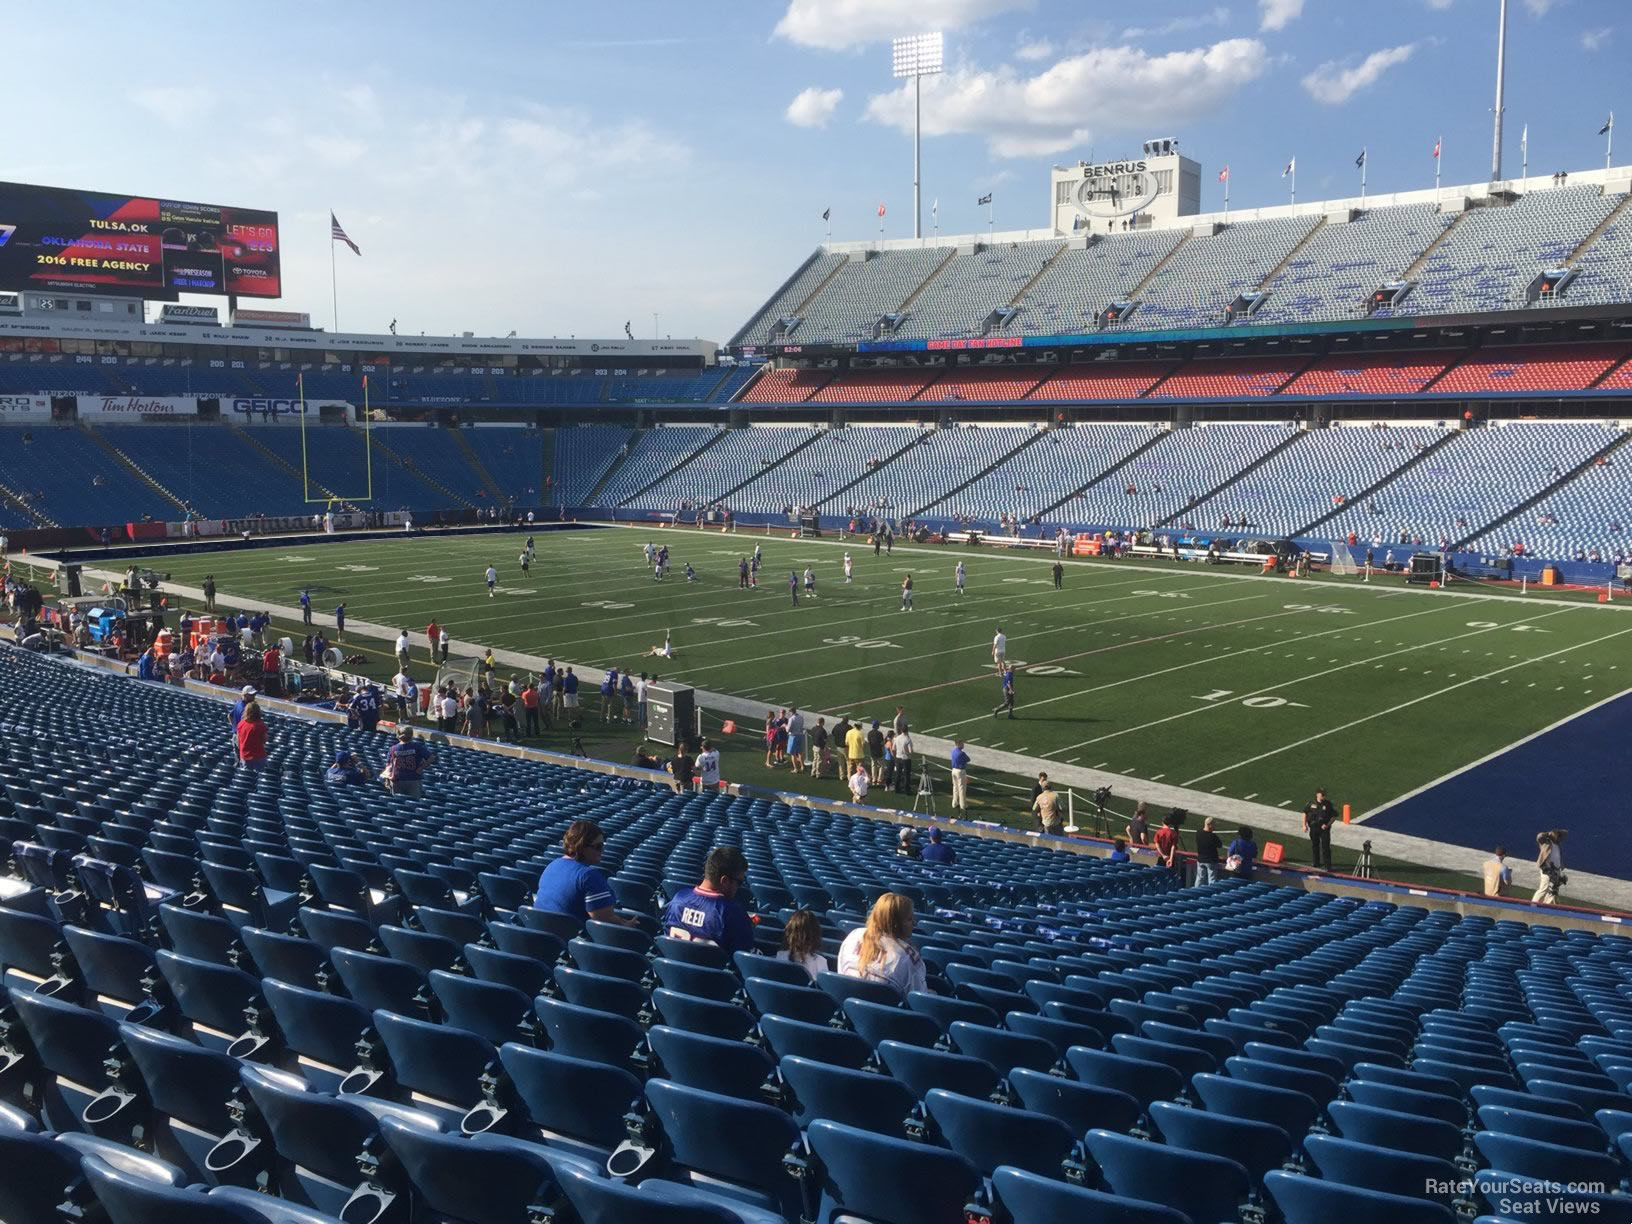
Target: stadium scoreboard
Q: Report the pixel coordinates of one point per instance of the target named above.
(55, 238)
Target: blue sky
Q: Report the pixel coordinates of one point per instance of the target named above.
(557, 168)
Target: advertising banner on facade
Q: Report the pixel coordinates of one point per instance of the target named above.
(24, 408)
(134, 406)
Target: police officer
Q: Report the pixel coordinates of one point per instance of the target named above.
(1318, 819)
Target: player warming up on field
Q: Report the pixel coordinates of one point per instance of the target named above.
(492, 580)
(810, 583)
(742, 574)
(1006, 676)
(1000, 647)
(906, 593)
(793, 587)
(958, 577)
(665, 651)
(848, 565)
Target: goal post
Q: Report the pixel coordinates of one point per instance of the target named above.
(329, 497)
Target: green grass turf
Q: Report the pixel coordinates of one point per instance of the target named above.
(1179, 673)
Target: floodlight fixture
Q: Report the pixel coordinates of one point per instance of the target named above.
(917, 56)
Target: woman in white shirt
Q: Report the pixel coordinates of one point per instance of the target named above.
(802, 943)
(881, 951)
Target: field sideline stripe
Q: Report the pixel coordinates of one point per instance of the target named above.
(1296, 680)
(1394, 709)
(1488, 757)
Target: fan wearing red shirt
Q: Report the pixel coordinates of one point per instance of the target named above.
(1168, 844)
(252, 737)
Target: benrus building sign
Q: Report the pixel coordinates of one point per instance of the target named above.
(1127, 194)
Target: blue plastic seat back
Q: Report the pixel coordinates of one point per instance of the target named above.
(1312, 1200)
(585, 1032)
(543, 947)
(1292, 1111)
(72, 1044)
(818, 1041)
(436, 1060)
(1185, 1060)
(1544, 1127)
(597, 1199)
(1002, 1048)
(1387, 1170)
(420, 949)
(132, 1199)
(314, 1130)
(1521, 1197)
(841, 987)
(988, 1135)
(608, 960)
(492, 1011)
(521, 973)
(331, 929)
(857, 1098)
(731, 1068)
(944, 1010)
(737, 1141)
(876, 1022)
(487, 1177)
(706, 982)
(1261, 1071)
(805, 1003)
(286, 958)
(380, 982)
(1553, 1162)
(1405, 1132)
(1203, 1187)
(1256, 1146)
(184, 1081)
(1080, 1106)
(39, 1171)
(1140, 1078)
(1407, 1100)
(728, 1020)
(881, 1178)
(1032, 1199)
(322, 1027)
(753, 964)
(573, 1098)
(603, 993)
(921, 1069)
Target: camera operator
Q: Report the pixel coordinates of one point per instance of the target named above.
(1550, 865)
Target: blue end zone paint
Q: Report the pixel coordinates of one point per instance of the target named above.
(1565, 778)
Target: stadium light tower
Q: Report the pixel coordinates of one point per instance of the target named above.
(917, 56)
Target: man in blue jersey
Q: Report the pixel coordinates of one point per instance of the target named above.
(347, 770)
(710, 913)
(365, 706)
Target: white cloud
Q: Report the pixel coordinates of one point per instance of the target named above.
(1031, 116)
(1278, 14)
(175, 104)
(1332, 83)
(1439, 5)
(1216, 16)
(1592, 40)
(1035, 49)
(1539, 8)
(813, 107)
(336, 150)
(839, 25)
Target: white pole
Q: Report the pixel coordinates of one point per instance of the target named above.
(1439, 149)
(1524, 152)
(1501, 73)
(1294, 199)
(917, 109)
(1365, 164)
(1609, 142)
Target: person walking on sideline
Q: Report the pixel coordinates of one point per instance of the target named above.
(340, 623)
(305, 606)
(1498, 875)
(492, 580)
(1550, 864)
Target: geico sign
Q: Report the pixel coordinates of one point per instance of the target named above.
(273, 407)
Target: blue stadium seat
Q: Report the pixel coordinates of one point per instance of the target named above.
(1028, 1198)
(876, 1022)
(1140, 1078)
(483, 1177)
(1200, 1186)
(1002, 1048)
(862, 1099)
(604, 1200)
(1293, 1112)
(1080, 1106)
(732, 1068)
(921, 1069)
(1311, 1200)
(708, 1139)
(988, 1135)
(1405, 1132)
(577, 1105)
(1553, 1162)
(1257, 1147)
(815, 1041)
(1386, 1170)
(876, 1177)
(584, 1032)
(492, 1011)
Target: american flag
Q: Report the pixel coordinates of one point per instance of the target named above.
(336, 232)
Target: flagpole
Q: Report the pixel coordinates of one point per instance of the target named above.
(1609, 142)
(1524, 152)
(1439, 148)
(1294, 180)
(991, 212)
(334, 280)
(1365, 161)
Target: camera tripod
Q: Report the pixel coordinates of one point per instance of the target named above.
(924, 798)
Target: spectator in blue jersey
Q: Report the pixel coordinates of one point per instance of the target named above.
(1240, 855)
(145, 665)
(1119, 851)
(960, 776)
(365, 707)
(626, 692)
(305, 607)
(710, 912)
(347, 770)
(569, 696)
(405, 764)
(609, 693)
(574, 884)
(340, 622)
(938, 851)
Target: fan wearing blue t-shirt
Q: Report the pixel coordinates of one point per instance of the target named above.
(710, 912)
(574, 884)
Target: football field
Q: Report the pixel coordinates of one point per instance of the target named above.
(1207, 678)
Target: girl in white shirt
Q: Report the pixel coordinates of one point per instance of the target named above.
(881, 951)
(802, 943)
